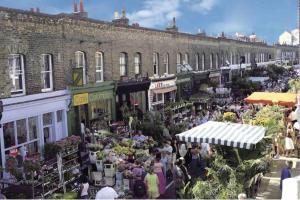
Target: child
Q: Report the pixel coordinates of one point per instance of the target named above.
(152, 184)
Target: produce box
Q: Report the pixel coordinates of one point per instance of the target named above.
(110, 181)
(96, 176)
(99, 165)
(126, 183)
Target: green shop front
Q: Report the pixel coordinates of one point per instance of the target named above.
(94, 104)
(184, 85)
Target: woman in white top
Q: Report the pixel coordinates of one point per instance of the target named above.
(289, 145)
(84, 187)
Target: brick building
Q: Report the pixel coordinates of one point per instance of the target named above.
(89, 68)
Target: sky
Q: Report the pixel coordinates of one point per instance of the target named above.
(266, 18)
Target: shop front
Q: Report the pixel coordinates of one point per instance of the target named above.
(31, 121)
(162, 90)
(184, 86)
(134, 94)
(225, 76)
(92, 104)
(215, 77)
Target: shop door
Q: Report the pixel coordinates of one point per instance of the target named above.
(83, 115)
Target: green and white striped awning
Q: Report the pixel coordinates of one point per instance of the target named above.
(223, 133)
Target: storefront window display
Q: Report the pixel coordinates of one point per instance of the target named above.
(101, 113)
(47, 123)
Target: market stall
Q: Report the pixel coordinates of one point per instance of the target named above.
(223, 133)
(283, 99)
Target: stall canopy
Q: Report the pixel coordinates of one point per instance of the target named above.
(223, 133)
(283, 99)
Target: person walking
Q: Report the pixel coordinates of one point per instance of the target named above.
(152, 184)
(289, 145)
(158, 170)
(286, 172)
(84, 187)
(178, 177)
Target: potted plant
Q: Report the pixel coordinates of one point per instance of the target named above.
(30, 168)
(51, 150)
(99, 161)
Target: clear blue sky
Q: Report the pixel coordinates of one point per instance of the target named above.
(267, 18)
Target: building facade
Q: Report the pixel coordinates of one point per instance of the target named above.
(92, 68)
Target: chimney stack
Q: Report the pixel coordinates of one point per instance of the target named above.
(38, 10)
(75, 7)
(81, 7)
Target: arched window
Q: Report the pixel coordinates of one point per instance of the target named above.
(166, 63)
(99, 67)
(203, 61)
(17, 73)
(186, 59)
(196, 61)
(137, 63)
(155, 63)
(80, 62)
(46, 72)
(179, 59)
(217, 61)
(123, 64)
(211, 58)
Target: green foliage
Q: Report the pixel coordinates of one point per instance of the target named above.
(186, 192)
(177, 128)
(222, 182)
(229, 117)
(51, 150)
(294, 85)
(31, 166)
(152, 125)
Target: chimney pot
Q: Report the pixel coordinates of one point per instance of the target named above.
(81, 6)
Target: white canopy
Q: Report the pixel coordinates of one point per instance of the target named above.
(223, 133)
(290, 188)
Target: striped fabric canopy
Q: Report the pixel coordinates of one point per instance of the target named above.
(224, 133)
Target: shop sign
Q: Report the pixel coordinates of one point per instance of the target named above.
(96, 96)
(214, 75)
(183, 80)
(80, 99)
(162, 84)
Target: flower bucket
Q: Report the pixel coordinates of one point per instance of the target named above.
(99, 165)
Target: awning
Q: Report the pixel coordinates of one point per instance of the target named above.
(214, 74)
(165, 90)
(283, 99)
(227, 134)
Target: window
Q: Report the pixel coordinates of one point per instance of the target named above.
(59, 116)
(231, 59)
(123, 64)
(203, 62)
(47, 124)
(9, 134)
(179, 59)
(196, 61)
(186, 59)
(99, 66)
(33, 125)
(21, 131)
(137, 63)
(46, 72)
(166, 62)
(217, 61)
(17, 74)
(155, 63)
(211, 58)
(80, 62)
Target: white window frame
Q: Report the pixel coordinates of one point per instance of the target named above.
(203, 61)
(123, 64)
(50, 72)
(155, 63)
(186, 59)
(166, 62)
(137, 63)
(78, 55)
(99, 66)
(14, 74)
(211, 60)
(197, 62)
(178, 59)
(217, 61)
(231, 58)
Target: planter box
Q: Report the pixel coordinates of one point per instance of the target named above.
(110, 181)
(96, 176)
(126, 183)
